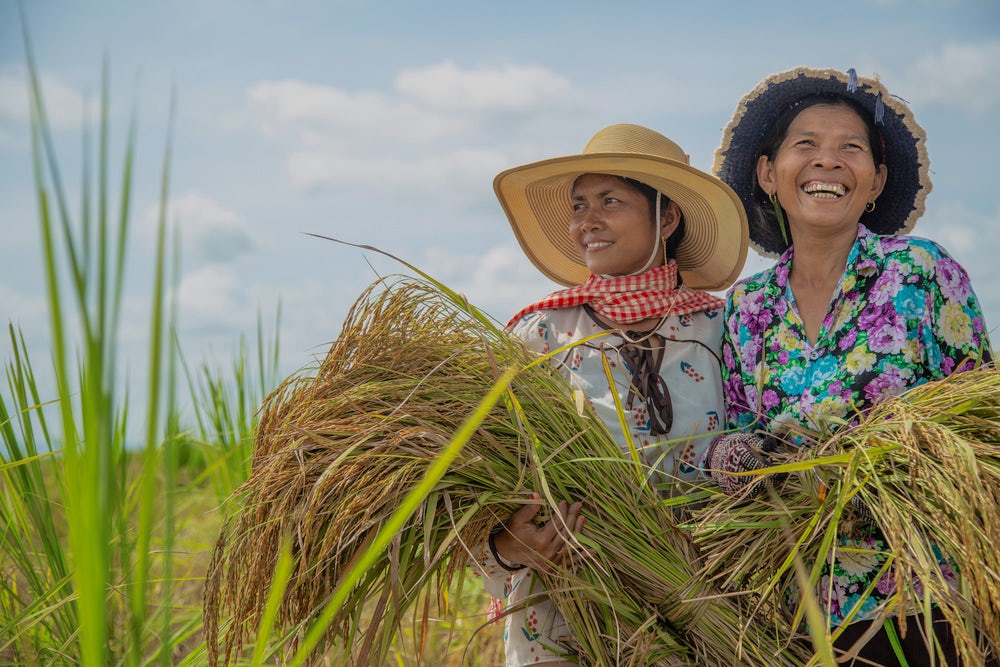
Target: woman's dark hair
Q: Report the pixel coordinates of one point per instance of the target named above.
(778, 130)
(674, 242)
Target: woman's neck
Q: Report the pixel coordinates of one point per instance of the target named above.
(817, 268)
(821, 258)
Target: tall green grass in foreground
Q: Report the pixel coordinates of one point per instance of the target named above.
(105, 541)
(92, 570)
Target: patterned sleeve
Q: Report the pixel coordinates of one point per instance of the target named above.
(953, 330)
(533, 329)
(739, 411)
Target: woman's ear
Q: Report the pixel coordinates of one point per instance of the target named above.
(881, 175)
(765, 175)
(670, 217)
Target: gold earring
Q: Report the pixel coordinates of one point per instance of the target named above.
(666, 260)
(870, 206)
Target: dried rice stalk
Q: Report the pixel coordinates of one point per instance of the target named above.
(927, 463)
(338, 448)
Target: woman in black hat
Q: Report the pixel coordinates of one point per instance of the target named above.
(833, 173)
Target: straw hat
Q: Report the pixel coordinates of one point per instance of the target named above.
(536, 199)
(902, 200)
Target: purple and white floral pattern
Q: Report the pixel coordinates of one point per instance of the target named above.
(903, 314)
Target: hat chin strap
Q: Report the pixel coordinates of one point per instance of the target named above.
(656, 246)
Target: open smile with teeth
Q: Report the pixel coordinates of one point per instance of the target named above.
(824, 190)
(597, 245)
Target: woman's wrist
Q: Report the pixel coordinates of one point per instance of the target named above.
(510, 567)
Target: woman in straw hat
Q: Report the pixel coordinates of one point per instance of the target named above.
(833, 172)
(636, 234)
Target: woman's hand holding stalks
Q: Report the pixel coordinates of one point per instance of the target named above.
(523, 542)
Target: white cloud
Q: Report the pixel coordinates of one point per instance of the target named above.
(63, 105)
(501, 281)
(210, 232)
(453, 171)
(446, 86)
(421, 137)
(213, 295)
(960, 76)
(323, 115)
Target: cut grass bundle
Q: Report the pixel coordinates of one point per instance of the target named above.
(927, 466)
(339, 448)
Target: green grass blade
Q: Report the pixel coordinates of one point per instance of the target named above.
(282, 574)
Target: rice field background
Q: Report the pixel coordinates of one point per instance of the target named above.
(106, 541)
(108, 538)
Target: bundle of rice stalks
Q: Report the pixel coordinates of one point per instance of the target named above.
(924, 467)
(340, 448)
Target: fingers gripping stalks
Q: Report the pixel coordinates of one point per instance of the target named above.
(522, 541)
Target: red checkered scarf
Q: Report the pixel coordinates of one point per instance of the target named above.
(630, 299)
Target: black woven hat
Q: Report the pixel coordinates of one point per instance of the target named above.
(908, 180)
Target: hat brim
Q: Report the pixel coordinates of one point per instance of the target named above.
(901, 202)
(536, 199)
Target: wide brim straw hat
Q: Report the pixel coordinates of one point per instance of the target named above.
(901, 202)
(536, 199)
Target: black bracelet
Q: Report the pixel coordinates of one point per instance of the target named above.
(496, 556)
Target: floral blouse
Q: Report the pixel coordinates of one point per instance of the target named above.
(903, 314)
(691, 369)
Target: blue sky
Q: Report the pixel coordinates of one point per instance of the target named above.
(384, 123)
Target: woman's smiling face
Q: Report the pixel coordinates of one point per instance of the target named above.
(823, 171)
(612, 225)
